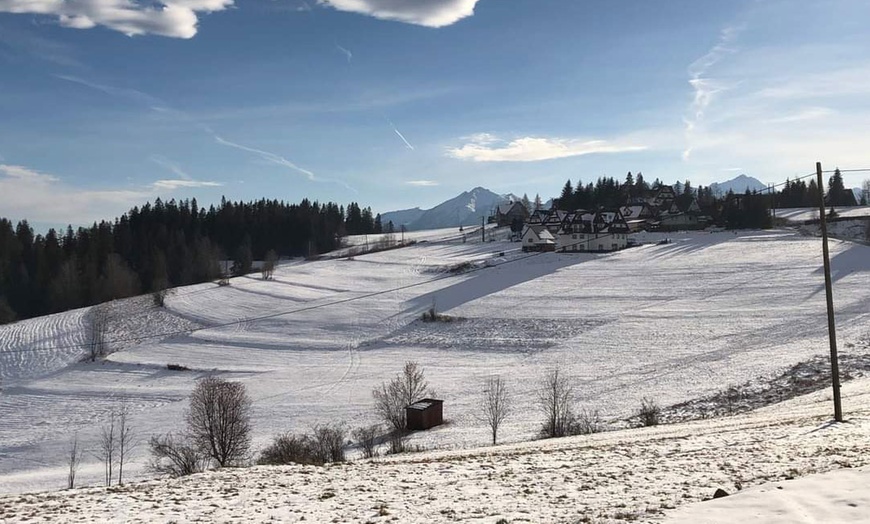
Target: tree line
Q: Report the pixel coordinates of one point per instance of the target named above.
(732, 210)
(161, 245)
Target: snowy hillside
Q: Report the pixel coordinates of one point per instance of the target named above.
(670, 322)
(803, 214)
(465, 209)
(738, 185)
(639, 475)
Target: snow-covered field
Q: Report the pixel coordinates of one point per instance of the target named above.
(670, 322)
(802, 214)
(638, 475)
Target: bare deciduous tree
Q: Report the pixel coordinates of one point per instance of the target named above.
(97, 332)
(269, 264)
(74, 459)
(176, 456)
(117, 280)
(556, 399)
(392, 397)
(107, 446)
(495, 405)
(219, 420)
(125, 440)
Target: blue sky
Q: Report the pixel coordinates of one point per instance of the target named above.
(105, 104)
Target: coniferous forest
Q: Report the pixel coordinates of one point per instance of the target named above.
(160, 245)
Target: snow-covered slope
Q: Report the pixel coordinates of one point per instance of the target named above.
(802, 214)
(639, 475)
(668, 321)
(738, 185)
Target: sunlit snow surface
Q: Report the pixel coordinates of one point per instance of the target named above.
(667, 321)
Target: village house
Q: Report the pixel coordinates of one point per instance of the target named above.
(507, 213)
(660, 210)
(577, 231)
(536, 237)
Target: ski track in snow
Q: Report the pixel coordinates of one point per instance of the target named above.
(671, 322)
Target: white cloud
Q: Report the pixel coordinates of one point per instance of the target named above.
(422, 183)
(429, 13)
(345, 51)
(176, 18)
(39, 197)
(399, 133)
(488, 148)
(803, 115)
(279, 160)
(268, 157)
(171, 185)
(704, 88)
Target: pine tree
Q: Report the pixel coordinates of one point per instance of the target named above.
(526, 203)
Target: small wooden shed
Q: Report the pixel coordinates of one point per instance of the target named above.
(424, 414)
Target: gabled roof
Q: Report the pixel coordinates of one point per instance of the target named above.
(635, 211)
(507, 207)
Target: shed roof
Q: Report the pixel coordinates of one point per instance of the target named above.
(426, 403)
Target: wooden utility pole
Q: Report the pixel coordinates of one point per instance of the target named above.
(832, 332)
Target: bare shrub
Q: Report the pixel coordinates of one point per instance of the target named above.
(97, 325)
(328, 442)
(176, 456)
(495, 404)
(288, 449)
(73, 462)
(367, 439)
(431, 315)
(649, 413)
(398, 439)
(587, 422)
(555, 400)
(269, 264)
(219, 420)
(392, 397)
(324, 445)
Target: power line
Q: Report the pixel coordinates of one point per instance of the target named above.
(857, 170)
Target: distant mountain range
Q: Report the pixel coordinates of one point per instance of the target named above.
(466, 210)
(737, 185)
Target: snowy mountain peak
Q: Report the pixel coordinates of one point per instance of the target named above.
(738, 185)
(465, 209)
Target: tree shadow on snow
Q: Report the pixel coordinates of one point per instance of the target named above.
(494, 279)
(855, 259)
